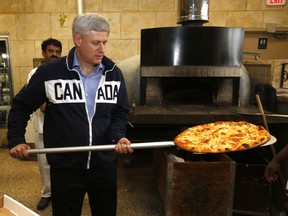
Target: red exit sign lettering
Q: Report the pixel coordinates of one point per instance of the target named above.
(275, 2)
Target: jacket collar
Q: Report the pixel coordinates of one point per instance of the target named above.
(105, 61)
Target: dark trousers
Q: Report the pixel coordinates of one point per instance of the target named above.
(68, 188)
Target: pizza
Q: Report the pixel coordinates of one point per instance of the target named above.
(222, 136)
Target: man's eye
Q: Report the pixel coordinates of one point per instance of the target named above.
(99, 43)
(52, 51)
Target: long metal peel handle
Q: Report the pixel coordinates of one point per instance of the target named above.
(99, 148)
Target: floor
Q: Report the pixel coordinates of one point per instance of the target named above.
(137, 191)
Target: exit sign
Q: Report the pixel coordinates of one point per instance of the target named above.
(275, 2)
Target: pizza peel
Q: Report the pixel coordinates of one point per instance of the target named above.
(264, 119)
(108, 147)
(111, 147)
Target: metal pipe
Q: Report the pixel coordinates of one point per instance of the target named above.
(80, 7)
(99, 148)
(193, 12)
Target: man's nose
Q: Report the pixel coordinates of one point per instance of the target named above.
(102, 47)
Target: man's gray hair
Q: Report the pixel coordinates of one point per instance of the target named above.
(84, 23)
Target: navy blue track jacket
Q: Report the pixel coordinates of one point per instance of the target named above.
(66, 121)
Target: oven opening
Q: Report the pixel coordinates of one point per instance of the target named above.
(188, 91)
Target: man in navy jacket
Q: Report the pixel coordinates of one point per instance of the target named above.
(86, 104)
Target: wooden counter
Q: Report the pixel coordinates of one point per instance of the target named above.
(203, 187)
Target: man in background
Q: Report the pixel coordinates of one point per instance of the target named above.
(51, 49)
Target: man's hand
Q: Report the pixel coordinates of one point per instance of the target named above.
(123, 146)
(43, 107)
(271, 170)
(20, 151)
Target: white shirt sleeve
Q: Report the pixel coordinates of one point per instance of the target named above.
(38, 115)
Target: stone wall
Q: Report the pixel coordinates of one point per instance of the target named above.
(29, 22)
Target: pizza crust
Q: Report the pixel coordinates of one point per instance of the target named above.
(222, 136)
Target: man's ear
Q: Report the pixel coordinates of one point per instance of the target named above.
(77, 39)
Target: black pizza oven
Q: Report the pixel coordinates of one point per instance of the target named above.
(192, 65)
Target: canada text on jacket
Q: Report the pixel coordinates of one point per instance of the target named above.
(70, 91)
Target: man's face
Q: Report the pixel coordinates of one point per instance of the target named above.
(91, 48)
(51, 52)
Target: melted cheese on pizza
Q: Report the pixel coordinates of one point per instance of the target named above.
(222, 137)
